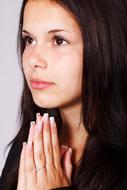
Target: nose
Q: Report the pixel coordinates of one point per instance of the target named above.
(37, 58)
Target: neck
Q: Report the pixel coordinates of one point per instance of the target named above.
(73, 131)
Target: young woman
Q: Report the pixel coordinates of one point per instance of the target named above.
(73, 57)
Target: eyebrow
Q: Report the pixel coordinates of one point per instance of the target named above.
(49, 32)
(57, 30)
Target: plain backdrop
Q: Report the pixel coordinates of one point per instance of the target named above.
(10, 74)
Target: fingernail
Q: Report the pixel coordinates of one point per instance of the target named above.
(64, 146)
(29, 143)
(39, 125)
(52, 121)
(24, 145)
(70, 150)
(32, 123)
(38, 114)
(46, 115)
(23, 148)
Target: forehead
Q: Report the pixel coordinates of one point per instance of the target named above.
(47, 13)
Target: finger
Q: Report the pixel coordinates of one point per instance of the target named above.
(30, 166)
(68, 164)
(38, 117)
(47, 143)
(63, 149)
(39, 156)
(55, 144)
(31, 131)
(38, 146)
(21, 176)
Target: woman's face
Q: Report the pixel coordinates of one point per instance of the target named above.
(53, 54)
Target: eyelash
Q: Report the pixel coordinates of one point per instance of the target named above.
(59, 37)
(27, 40)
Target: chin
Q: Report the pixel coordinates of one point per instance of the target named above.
(51, 102)
(47, 104)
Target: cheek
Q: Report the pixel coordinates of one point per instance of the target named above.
(26, 56)
(70, 71)
(71, 63)
(26, 68)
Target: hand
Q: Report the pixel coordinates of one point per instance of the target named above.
(40, 162)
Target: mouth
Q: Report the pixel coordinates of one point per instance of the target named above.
(40, 85)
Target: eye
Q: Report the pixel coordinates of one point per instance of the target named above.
(59, 41)
(28, 40)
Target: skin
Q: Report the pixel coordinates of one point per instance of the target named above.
(59, 61)
(43, 58)
(42, 151)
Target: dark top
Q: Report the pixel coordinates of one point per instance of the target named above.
(10, 162)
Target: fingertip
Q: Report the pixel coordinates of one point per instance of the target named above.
(22, 156)
(24, 147)
(29, 145)
(68, 156)
(63, 150)
(68, 163)
(24, 144)
(70, 151)
(64, 146)
(32, 123)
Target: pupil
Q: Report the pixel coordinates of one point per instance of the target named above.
(29, 40)
(59, 41)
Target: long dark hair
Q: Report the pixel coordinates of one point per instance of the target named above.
(104, 95)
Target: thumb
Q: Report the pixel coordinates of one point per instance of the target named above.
(63, 149)
(67, 163)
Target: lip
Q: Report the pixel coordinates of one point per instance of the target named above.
(40, 85)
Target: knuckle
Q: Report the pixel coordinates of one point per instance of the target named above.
(53, 176)
(49, 150)
(60, 173)
(30, 169)
(39, 156)
(22, 170)
(54, 131)
(55, 147)
(46, 129)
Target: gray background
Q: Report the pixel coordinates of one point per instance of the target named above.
(10, 75)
